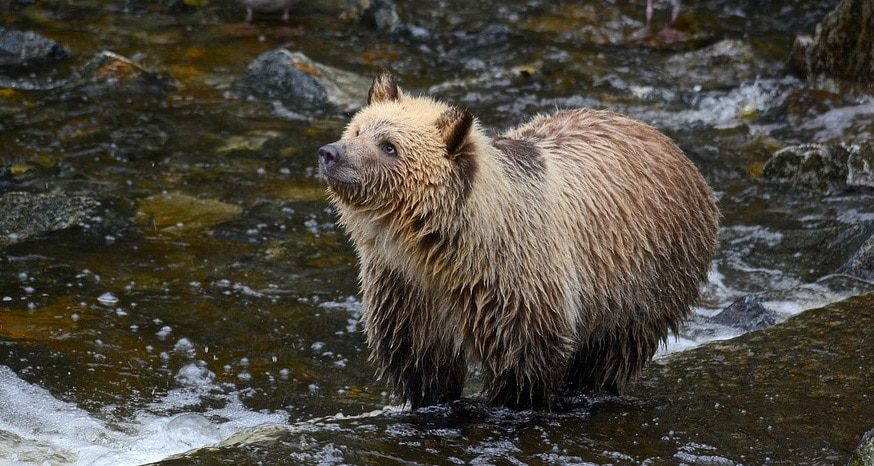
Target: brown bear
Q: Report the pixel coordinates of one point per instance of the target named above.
(557, 255)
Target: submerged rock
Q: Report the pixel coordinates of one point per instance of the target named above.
(303, 85)
(26, 215)
(746, 313)
(826, 167)
(179, 213)
(842, 50)
(20, 49)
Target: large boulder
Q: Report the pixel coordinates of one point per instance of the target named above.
(303, 85)
(842, 50)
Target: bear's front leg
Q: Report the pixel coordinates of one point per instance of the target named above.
(412, 349)
(524, 347)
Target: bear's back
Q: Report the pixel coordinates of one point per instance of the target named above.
(639, 217)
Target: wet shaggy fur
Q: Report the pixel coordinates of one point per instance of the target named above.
(557, 255)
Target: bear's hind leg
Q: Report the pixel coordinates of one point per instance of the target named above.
(608, 363)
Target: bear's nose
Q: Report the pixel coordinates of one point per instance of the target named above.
(329, 155)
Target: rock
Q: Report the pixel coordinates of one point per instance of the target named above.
(864, 454)
(26, 215)
(746, 313)
(841, 53)
(827, 167)
(178, 213)
(19, 49)
(817, 166)
(726, 63)
(109, 71)
(303, 85)
(861, 264)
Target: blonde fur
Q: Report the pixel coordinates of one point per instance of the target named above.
(557, 255)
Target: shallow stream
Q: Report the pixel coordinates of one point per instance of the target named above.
(210, 291)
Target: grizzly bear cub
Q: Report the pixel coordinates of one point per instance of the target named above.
(557, 255)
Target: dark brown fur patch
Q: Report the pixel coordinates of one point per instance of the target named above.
(464, 169)
(454, 125)
(384, 88)
(522, 159)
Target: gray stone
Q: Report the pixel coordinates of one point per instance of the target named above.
(26, 215)
(303, 85)
(818, 166)
(746, 313)
(20, 49)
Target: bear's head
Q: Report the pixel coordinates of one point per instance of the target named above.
(400, 153)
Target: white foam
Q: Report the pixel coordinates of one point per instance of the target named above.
(37, 428)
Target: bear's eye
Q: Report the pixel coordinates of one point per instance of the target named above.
(389, 148)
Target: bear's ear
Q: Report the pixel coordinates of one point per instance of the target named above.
(454, 126)
(384, 88)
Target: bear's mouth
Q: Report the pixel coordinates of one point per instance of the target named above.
(347, 190)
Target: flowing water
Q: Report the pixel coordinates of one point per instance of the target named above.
(210, 292)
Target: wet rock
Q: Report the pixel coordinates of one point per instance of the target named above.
(864, 454)
(826, 167)
(110, 72)
(861, 264)
(746, 313)
(26, 215)
(303, 85)
(726, 63)
(177, 213)
(19, 49)
(840, 53)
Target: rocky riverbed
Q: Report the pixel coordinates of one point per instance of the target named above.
(172, 281)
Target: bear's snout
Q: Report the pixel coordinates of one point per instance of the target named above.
(330, 155)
